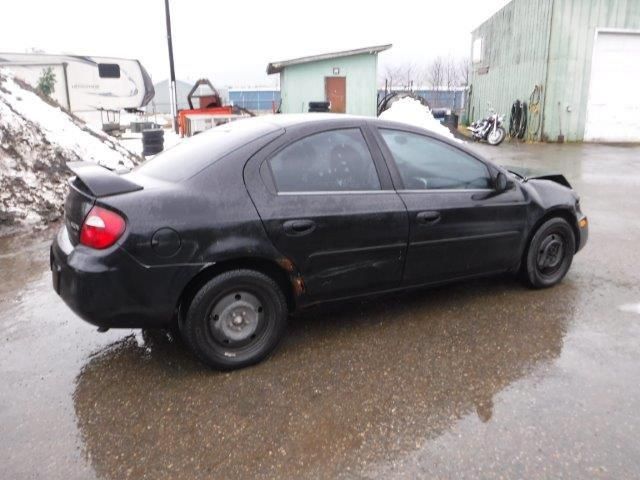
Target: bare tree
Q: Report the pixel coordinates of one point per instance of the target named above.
(451, 73)
(463, 72)
(419, 77)
(392, 75)
(412, 76)
(435, 73)
(407, 76)
(403, 77)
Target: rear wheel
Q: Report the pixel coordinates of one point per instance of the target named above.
(236, 319)
(550, 254)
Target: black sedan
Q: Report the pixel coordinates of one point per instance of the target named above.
(227, 233)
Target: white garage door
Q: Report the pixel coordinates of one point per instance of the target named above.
(613, 109)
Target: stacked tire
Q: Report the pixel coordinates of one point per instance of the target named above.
(319, 106)
(152, 141)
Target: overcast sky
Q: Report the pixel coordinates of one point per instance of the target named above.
(231, 42)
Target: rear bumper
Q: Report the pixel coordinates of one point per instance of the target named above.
(111, 289)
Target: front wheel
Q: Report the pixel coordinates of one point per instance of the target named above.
(550, 254)
(236, 319)
(497, 136)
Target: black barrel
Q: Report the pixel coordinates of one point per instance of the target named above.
(152, 141)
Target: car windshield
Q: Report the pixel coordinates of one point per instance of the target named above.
(193, 154)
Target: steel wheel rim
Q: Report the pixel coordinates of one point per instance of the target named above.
(237, 318)
(551, 254)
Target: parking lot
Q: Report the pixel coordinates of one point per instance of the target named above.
(483, 379)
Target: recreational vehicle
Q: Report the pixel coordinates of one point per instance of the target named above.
(87, 86)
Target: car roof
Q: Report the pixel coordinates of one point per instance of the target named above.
(322, 120)
(329, 119)
(293, 119)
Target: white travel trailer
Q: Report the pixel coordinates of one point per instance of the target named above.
(87, 86)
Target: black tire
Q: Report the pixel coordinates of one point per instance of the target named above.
(152, 148)
(151, 151)
(210, 329)
(549, 254)
(152, 141)
(153, 144)
(153, 134)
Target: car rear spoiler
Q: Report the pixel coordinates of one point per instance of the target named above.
(101, 181)
(530, 174)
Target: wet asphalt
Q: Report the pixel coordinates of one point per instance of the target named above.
(482, 379)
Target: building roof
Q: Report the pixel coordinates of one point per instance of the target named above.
(276, 67)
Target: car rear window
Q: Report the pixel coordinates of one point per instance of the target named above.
(193, 154)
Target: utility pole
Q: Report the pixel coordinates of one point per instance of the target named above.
(173, 97)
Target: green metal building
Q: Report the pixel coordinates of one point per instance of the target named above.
(348, 80)
(579, 58)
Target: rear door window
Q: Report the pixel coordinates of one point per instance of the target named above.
(332, 161)
(193, 154)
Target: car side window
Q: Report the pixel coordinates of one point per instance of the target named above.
(425, 163)
(332, 161)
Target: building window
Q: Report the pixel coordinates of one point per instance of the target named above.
(476, 55)
(109, 70)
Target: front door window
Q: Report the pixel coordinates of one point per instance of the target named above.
(428, 164)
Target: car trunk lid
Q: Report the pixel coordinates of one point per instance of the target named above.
(90, 183)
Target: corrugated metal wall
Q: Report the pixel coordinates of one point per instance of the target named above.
(573, 33)
(546, 42)
(514, 51)
(452, 99)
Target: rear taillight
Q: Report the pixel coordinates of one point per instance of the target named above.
(102, 228)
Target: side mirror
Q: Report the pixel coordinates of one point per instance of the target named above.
(502, 183)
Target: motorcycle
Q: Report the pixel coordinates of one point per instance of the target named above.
(489, 129)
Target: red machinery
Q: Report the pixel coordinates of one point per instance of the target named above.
(209, 113)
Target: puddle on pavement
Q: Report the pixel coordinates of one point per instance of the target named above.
(352, 383)
(21, 259)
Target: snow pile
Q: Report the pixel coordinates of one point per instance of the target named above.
(37, 139)
(411, 111)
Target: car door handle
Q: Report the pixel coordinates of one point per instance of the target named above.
(299, 227)
(428, 217)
